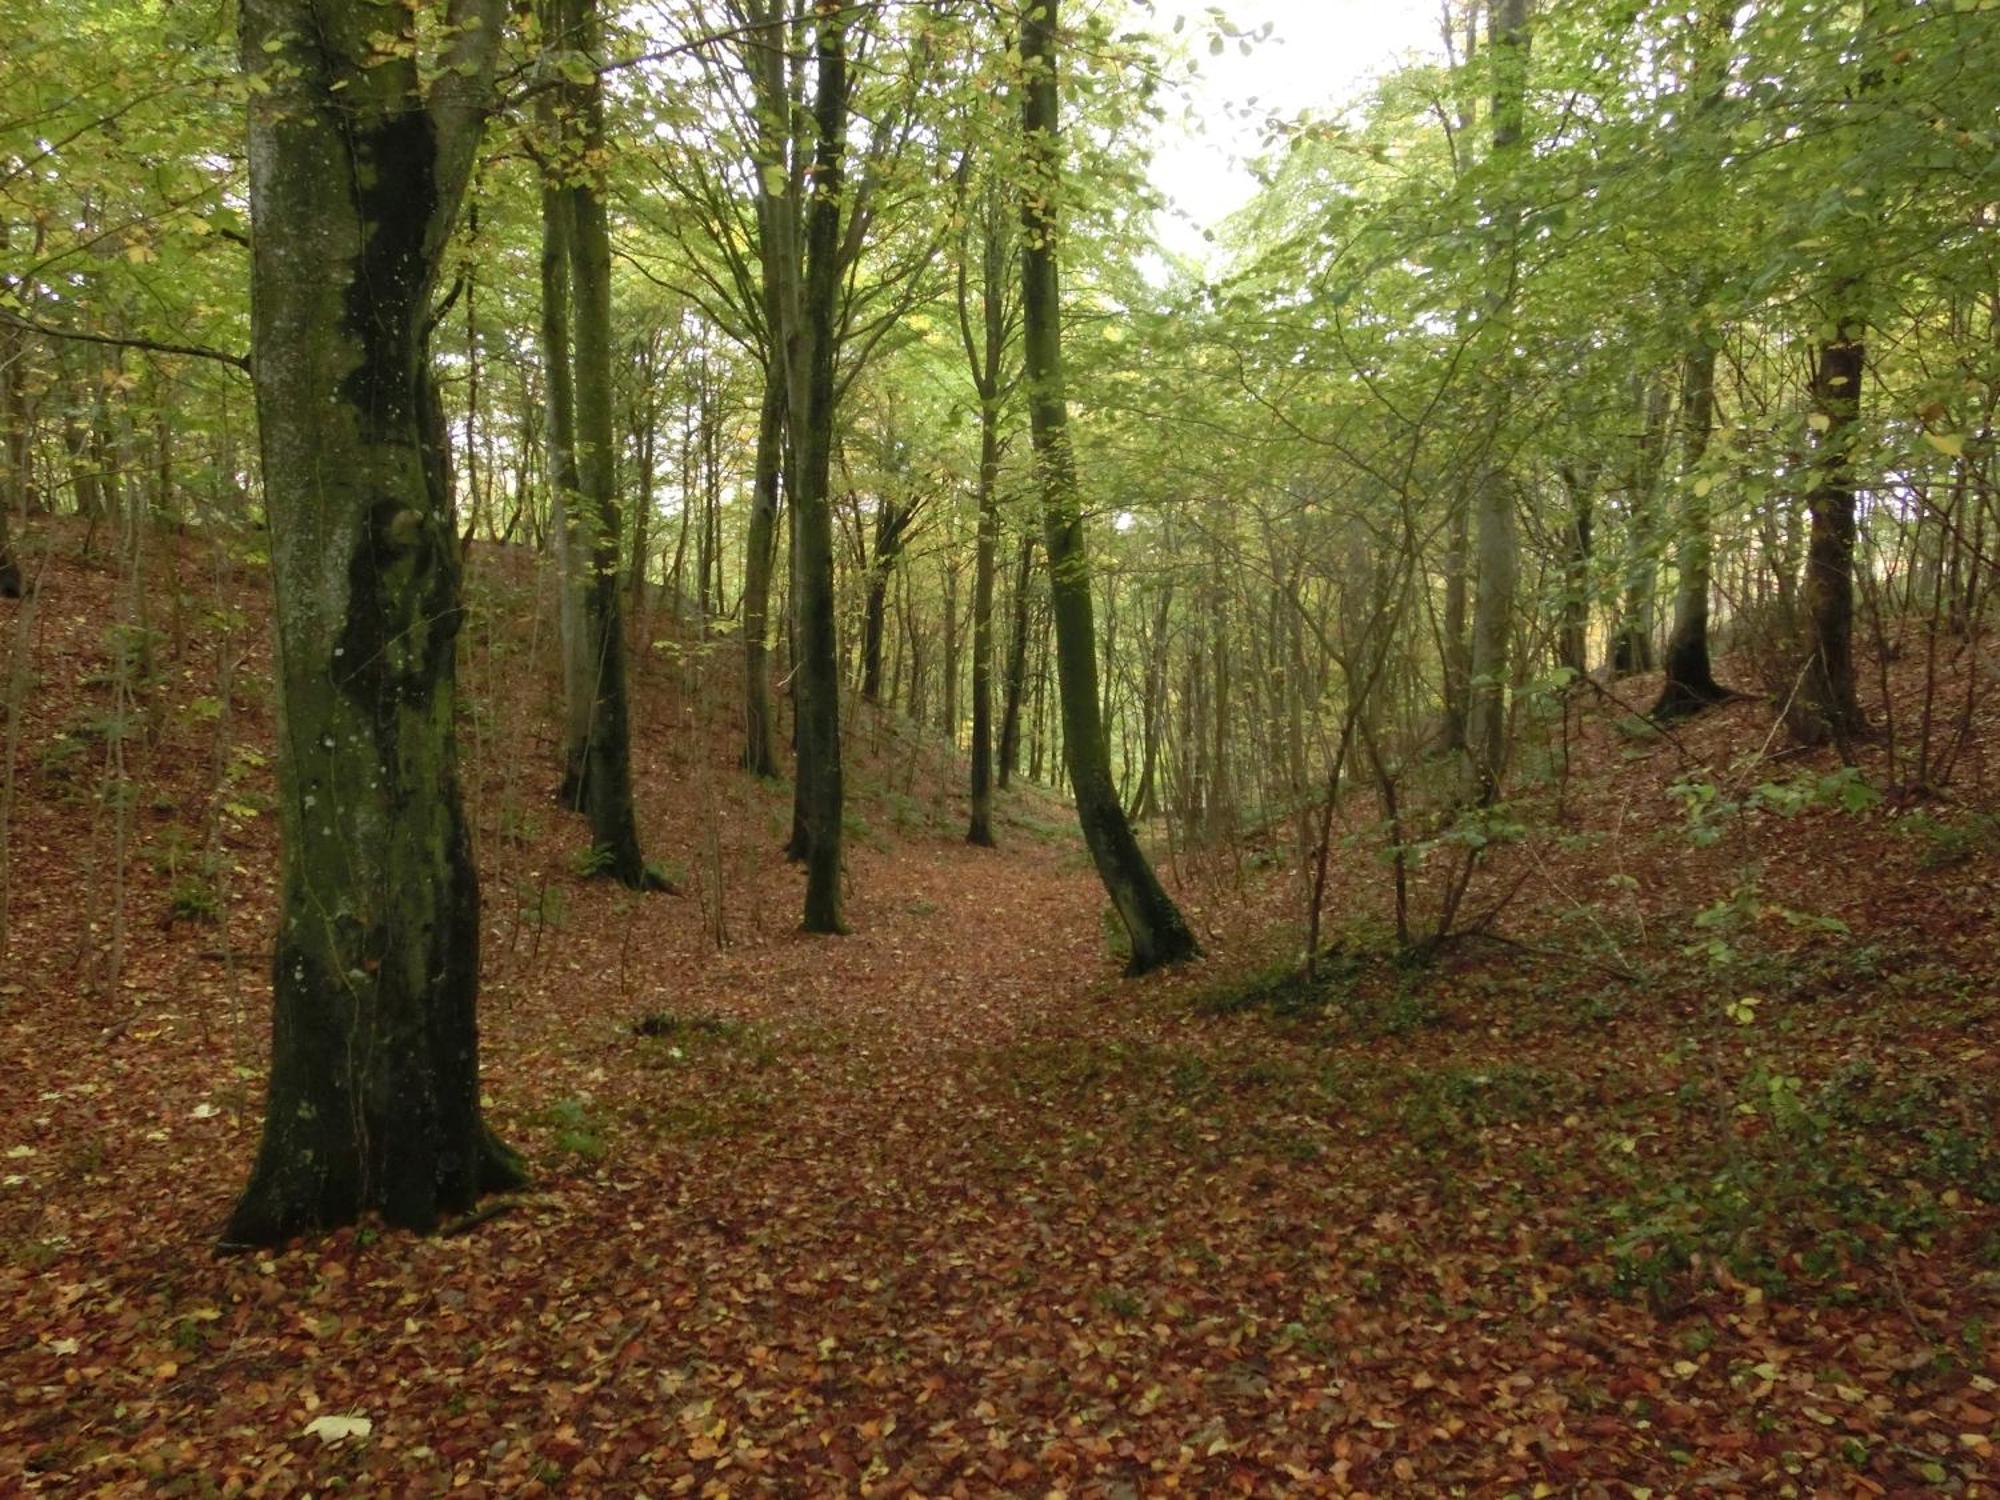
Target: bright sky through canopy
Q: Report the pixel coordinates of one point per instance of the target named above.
(1321, 55)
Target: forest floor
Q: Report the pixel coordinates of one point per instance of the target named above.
(1682, 1179)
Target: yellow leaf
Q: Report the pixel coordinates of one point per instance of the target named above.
(333, 1429)
(1819, 421)
(1950, 444)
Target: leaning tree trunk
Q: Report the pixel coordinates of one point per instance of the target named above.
(355, 179)
(1159, 934)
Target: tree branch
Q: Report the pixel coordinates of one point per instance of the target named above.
(151, 346)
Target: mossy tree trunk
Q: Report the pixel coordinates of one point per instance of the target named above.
(355, 178)
(1159, 934)
(597, 760)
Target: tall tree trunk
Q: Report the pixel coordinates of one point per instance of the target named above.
(1493, 521)
(559, 431)
(980, 829)
(954, 641)
(597, 772)
(1573, 643)
(1456, 649)
(1153, 705)
(760, 740)
(1632, 651)
(1690, 685)
(373, 1101)
(13, 444)
(1016, 684)
(888, 544)
(645, 445)
(1829, 577)
(811, 395)
(1158, 932)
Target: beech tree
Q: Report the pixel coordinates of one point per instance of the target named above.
(576, 354)
(1158, 932)
(357, 169)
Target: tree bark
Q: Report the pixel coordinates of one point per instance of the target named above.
(1690, 684)
(811, 338)
(1573, 643)
(1493, 522)
(1158, 932)
(891, 525)
(1632, 650)
(760, 740)
(1829, 575)
(1017, 663)
(356, 178)
(597, 772)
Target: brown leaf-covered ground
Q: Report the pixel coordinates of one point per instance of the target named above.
(1585, 1205)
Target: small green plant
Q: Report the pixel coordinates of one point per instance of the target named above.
(1945, 845)
(193, 898)
(64, 762)
(539, 904)
(577, 1129)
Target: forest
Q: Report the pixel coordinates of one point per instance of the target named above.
(733, 766)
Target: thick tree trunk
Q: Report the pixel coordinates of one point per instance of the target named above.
(812, 393)
(1158, 932)
(373, 1102)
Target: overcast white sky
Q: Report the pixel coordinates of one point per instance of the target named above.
(1321, 55)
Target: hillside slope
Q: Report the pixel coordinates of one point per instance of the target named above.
(945, 1207)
